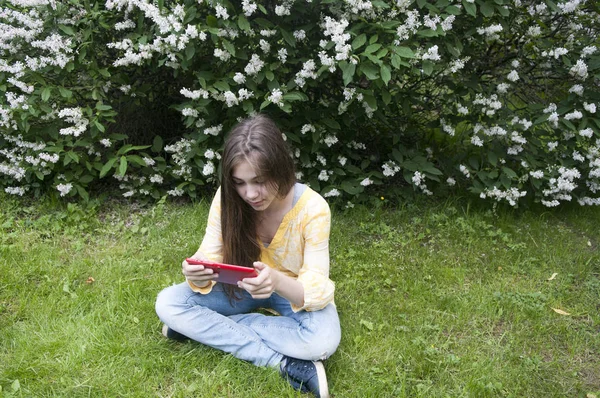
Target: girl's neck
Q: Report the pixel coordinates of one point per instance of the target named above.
(280, 205)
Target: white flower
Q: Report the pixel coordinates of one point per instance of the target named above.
(465, 171)
(254, 66)
(332, 193)
(276, 97)
(588, 133)
(342, 160)
(552, 145)
(591, 108)
(475, 140)
(538, 174)
(189, 112)
(209, 168)
(221, 12)
(64, 189)
(574, 115)
(579, 70)
(239, 78)
(105, 142)
(502, 88)
(213, 130)
(451, 181)
(282, 55)
(330, 140)
(156, 179)
(432, 54)
(366, 182)
(300, 34)
(194, 94)
(306, 128)
(230, 99)
(282, 10)
(390, 169)
(513, 76)
(149, 161)
(248, 7)
(223, 55)
(323, 175)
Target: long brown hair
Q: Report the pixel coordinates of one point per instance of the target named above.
(258, 141)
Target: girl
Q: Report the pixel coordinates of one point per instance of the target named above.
(261, 217)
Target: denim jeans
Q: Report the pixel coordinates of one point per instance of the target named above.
(231, 326)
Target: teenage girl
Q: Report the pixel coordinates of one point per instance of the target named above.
(262, 218)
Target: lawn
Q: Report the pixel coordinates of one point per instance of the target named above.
(435, 299)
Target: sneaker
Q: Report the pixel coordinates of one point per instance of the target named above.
(305, 376)
(173, 335)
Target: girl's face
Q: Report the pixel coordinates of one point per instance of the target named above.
(252, 188)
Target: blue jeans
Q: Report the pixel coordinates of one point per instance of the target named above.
(214, 320)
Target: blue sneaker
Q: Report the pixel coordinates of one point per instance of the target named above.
(173, 335)
(305, 376)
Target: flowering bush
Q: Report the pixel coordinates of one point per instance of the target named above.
(498, 97)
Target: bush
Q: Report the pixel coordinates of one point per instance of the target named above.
(495, 97)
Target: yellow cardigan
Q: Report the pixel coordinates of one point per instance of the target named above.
(299, 249)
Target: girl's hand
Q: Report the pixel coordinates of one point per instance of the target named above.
(262, 286)
(197, 274)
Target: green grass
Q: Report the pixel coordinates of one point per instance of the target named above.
(437, 300)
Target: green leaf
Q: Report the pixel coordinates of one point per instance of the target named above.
(67, 29)
(471, 8)
(348, 70)
(123, 166)
(243, 23)
(493, 158)
(288, 37)
(228, 46)
(369, 70)
(386, 96)
(332, 124)
(386, 74)
(46, 93)
(509, 173)
(82, 192)
(487, 9)
(428, 33)
(102, 107)
(359, 41)
(295, 96)
(212, 21)
(106, 168)
(65, 92)
(504, 11)
(190, 51)
(404, 52)
(157, 144)
(372, 48)
(427, 67)
(99, 126)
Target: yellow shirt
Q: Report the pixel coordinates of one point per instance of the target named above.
(299, 249)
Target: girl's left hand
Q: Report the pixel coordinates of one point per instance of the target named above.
(262, 286)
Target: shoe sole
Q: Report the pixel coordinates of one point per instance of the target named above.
(322, 377)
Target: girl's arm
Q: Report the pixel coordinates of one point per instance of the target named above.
(271, 281)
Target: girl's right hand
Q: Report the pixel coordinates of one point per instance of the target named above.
(197, 274)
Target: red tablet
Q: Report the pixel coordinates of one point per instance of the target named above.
(228, 273)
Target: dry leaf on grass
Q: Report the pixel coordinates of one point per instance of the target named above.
(553, 276)
(559, 311)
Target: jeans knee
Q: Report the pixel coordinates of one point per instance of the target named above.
(165, 302)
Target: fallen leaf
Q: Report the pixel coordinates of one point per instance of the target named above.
(559, 311)
(590, 395)
(553, 276)
(90, 280)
